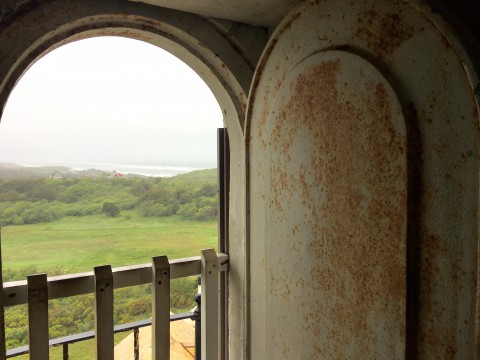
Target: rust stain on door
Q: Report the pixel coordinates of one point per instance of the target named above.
(336, 218)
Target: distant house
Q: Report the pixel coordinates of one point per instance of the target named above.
(117, 174)
(57, 176)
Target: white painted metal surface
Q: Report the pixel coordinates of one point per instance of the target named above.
(103, 280)
(266, 13)
(38, 317)
(210, 293)
(366, 152)
(103, 312)
(334, 214)
(15, 293)
(160, 308)
(223, 54)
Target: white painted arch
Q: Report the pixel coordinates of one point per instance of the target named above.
(29, 33)
(222, 54)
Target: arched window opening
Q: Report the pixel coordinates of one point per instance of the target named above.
(108, 152)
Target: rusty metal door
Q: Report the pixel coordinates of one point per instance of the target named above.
(357, 113)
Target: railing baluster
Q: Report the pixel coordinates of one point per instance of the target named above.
(136, 344)
(38, 316)
(104, 312)
(160, 308)
(209, 271)
(102, 281)
(65, 351)
(197, 316)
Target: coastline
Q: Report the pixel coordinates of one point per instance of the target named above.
(138, 169)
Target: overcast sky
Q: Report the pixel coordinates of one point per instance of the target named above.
(110, 100)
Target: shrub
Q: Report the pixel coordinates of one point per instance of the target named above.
(111, 209)
(149, 208)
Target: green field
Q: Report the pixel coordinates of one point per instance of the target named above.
(83, 350)
(77, 244)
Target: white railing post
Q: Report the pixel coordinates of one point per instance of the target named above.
(209, 272)
(38, 316)
(104, 312)
(103, 280)
(160, 308)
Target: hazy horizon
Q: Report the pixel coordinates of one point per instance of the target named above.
(112, 101)
(137, 169)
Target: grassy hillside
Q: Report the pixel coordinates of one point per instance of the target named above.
(61, 226)
(30, 201)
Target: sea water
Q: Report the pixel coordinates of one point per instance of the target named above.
(140, 169)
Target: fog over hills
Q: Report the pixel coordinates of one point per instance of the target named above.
(107, 101)
(10, 171)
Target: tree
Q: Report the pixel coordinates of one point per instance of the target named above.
(111, 209)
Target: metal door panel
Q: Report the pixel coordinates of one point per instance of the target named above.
(362, 135)
(335, 198)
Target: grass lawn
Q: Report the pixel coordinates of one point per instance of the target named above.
(83, 350)
(78, 244)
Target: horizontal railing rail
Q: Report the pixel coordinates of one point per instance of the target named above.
(88, 335)
(15, 292)
(39, 289)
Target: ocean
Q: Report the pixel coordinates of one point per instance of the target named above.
(146, 170)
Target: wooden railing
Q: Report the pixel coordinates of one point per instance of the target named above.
(38, 289)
